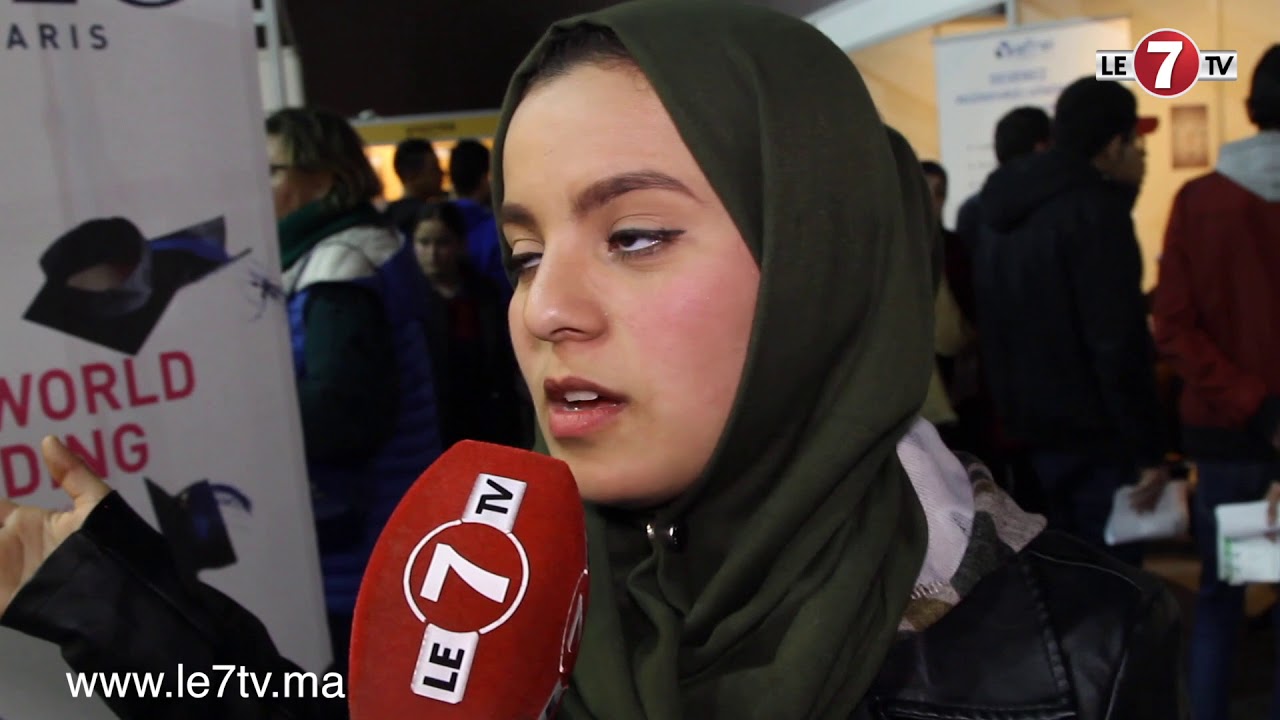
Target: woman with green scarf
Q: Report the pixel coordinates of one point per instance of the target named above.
(723, 298)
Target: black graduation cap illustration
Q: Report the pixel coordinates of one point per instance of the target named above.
(107, 284)
(192, 523)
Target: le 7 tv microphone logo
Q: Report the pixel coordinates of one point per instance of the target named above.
(1166, 63)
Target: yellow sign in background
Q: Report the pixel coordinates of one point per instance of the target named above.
(382, 135)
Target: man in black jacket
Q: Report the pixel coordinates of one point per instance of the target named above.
(1020, 132)
(1065, 340)
(418, 167)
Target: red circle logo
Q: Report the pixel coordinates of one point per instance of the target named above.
(1166, 63)
(466, 577)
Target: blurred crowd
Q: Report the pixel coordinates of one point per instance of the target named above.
(1055, 367)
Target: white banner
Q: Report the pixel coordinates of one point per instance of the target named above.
(856, 24)
(142, 318)
(982, 76)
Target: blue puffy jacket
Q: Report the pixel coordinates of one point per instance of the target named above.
(367, 493)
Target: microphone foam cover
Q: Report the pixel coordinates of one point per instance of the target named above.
(473, 601)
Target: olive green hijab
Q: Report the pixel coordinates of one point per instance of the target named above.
(804, 537)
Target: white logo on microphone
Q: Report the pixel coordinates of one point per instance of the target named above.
(574, 623)
(446, 655)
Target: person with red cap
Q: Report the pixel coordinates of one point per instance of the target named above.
(1215, 310)
(1065, 341)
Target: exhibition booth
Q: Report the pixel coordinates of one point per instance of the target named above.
(943, 84)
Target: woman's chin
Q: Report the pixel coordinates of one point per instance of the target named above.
(624, 492)
(613, 475)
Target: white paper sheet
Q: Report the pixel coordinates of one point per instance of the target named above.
(1169, 518)
(1245, 553)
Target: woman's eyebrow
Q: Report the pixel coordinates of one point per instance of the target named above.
(598, 194)
(602, 192)
(517, 214)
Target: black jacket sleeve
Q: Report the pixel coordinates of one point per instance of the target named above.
(1104, 264)
(349, 391)
(969, 223)
(1149, 684)
(112, 599)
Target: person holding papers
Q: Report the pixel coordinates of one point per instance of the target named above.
(1215, 316)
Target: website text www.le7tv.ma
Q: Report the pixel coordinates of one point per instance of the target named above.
(223, 681)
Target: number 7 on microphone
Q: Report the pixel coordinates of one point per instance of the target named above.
(444, 662)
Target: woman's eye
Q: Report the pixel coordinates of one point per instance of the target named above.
(639, 242)
(524, 262)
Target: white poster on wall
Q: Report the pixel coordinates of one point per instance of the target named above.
(141, 319)
(982, 76)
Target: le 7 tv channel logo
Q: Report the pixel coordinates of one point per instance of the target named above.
(1166, 63)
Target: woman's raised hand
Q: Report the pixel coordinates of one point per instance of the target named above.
(28, 535)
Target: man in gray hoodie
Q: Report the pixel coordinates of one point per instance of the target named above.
(1216, 312)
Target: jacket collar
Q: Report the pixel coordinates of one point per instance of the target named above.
(1254, 164)
(966, 663)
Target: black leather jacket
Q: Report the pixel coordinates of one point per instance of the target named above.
(1060, 632)
(1057, 633)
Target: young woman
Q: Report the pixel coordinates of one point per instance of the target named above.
(479, 391)
(713, 233)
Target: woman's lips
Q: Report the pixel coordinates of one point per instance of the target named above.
(577, 407)
(575, 420)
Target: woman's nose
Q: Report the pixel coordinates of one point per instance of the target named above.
(564, 300)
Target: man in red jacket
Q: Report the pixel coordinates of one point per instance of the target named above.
(1217, 317)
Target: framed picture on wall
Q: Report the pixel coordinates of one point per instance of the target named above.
(1190, 133)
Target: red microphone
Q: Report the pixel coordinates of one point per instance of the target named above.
(473, 602)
